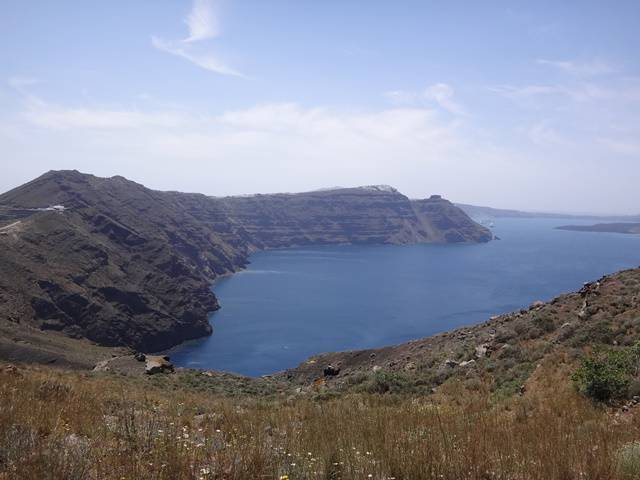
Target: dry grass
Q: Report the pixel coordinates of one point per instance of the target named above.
(60, 425)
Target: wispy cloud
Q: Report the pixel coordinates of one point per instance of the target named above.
(21, 85)
(208, 61)
(578, 85)
(441, 94)
(203, 24)
(577, 92)
(579, 68)
(526, 91)
(202, 21)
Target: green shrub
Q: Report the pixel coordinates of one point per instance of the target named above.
(607, 375)
(386, 382)
(509, 382)
(544, 323)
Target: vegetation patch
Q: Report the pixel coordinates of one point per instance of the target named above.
(607, 374)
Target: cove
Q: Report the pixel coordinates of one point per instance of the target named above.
(294, 303)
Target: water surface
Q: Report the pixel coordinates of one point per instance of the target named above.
(291, 304)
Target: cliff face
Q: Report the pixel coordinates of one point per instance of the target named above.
(376, 214)
(121, 264)
(445, 223)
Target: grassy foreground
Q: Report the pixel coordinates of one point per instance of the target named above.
(66, 425)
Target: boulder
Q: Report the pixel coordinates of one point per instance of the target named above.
(584, 310)
(156, 364)
(331, 371)
(102, 366)
(483, 350)
(10, 369)
(376, 368)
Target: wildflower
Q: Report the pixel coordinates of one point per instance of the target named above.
(284, 477)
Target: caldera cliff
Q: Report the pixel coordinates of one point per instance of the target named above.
(123, 265)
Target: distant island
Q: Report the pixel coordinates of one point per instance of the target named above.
(633, 228)
(476, 211)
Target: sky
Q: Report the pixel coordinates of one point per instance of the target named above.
(529, 105)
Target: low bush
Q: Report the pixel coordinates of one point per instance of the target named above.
(607, 375)
(386, 382)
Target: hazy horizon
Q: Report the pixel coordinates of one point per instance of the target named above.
(529, 107)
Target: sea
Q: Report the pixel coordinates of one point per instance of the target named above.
(294, 303)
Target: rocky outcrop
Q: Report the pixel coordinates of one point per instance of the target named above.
(112, 261)
(443, 222)
(157, 364)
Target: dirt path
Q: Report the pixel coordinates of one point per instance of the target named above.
(7, 227)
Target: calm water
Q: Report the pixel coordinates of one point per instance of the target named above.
(291, 304)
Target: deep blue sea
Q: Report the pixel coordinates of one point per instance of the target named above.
(294, 303)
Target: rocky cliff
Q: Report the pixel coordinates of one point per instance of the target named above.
(120, 264)
(374, 214)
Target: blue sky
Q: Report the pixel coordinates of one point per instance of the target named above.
(530, 105)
